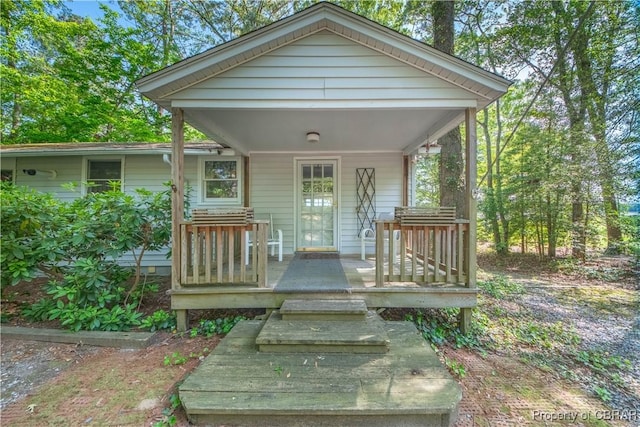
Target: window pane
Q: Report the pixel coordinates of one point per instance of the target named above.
(107, 169)
(220, 169)
(100, 186)
(221, 189)
(7, 175)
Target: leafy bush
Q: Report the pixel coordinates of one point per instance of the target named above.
(218, 326)
(28, 226)
(77, 246)
(159, 320)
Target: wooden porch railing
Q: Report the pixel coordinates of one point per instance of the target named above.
(215, 253)
(428, 253)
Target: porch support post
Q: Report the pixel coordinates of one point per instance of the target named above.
(246, 182)
(406, 164)
(177, 205)
(471, 172)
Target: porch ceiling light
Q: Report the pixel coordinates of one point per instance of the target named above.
(313, 137)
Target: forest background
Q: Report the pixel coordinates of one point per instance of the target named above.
(559, 157)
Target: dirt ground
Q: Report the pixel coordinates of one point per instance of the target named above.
(68, 385)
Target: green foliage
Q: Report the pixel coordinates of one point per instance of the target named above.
(168, 414)
(28, 233)
(578, 267)
(160, 320)
(601, 361)
(175, 359)
(603, 393)
(455, 367)
(220, 326)
(440, 326)
(77, 245)
(500, 287)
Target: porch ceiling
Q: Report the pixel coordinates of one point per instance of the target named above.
(254, 130)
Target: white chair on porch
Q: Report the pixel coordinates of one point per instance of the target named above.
(368, 236)
(274, 238)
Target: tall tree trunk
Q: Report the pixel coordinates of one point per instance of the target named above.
(451, 161)
(596, 107)
(576, 111)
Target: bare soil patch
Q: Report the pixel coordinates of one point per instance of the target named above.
(512, 382)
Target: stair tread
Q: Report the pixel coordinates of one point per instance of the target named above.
(322, 332)
(323, 306)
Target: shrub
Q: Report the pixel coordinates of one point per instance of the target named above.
(77, 245)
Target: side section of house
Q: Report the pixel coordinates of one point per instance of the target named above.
(66, 172)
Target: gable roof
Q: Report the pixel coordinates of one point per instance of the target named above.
(159, 86)
(363, 86)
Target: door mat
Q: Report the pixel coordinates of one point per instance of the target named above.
(313, 271)
(317, 255)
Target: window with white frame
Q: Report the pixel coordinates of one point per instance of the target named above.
(103, 174)
(220, 180)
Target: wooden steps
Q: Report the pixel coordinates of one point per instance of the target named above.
(314, 372)
(323, 309)
(326, 336)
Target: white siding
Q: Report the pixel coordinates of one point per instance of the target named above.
(149, 172)
(388, 168)
(141, 171)
(323, 66)
(68, 170)
(272, 191)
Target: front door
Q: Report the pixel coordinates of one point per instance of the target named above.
(317, 200)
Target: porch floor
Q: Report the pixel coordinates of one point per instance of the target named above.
(359, 273)
(238, 385)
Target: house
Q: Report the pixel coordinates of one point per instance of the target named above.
(325, 111)
(317, 120)
(49, 167)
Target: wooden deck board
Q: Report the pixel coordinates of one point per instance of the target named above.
(238, 385)
(280, 335)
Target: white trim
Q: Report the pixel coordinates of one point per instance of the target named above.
(337, 185)
(85, 170)
(319, 153)
(202, 200)
(314, 104)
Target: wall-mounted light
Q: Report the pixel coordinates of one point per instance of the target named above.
(51, 174)
(313, 137)
(430, 149)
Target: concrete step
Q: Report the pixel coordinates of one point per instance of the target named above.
(323, 309)
(327, 336)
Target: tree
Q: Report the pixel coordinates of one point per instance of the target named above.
(67, 79)
(451, 161)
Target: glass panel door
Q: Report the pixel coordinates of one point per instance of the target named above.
(317, 205)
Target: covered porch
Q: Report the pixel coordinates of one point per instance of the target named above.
(320, 118)
(426, 265)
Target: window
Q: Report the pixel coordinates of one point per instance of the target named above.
(220, 180)
(101, 173)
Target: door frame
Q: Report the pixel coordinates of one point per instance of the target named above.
(296, 196)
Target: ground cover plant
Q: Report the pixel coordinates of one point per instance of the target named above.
(547, 340)
(577, 322)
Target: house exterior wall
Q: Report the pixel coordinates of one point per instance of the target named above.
(323, 66)
(272, 190)
(140, 171)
